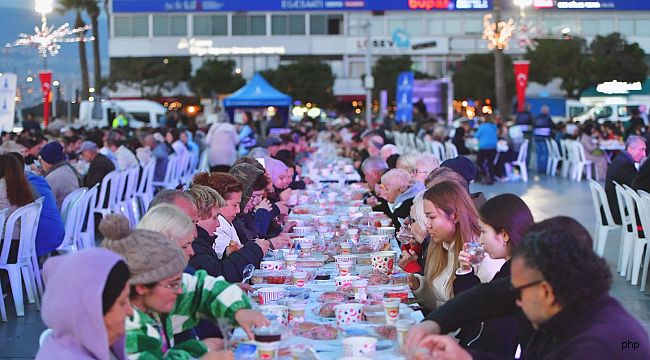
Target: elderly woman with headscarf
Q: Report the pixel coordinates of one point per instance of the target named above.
(398, 188)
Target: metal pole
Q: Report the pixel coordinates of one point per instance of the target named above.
(499, 77)
(369, 81)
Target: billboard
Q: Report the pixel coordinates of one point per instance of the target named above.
(130, 6)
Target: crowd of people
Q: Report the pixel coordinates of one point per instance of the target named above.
(162, 289)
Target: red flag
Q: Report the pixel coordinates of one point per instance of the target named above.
(46, 88)
(521, 81)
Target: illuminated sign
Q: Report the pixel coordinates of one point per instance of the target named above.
(543, 4)
(206, 47)
(616, 87)
(130, 6)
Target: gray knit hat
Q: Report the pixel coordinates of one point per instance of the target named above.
(247, 174)
(151, 257)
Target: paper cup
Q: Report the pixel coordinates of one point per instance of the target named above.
(348, 313)
(360, 289)
(290, 261)
(345, 267)
(383, 261)
(269, 295)
(359, 345)
(272, 265)
(346, 248)
(299, 278)
(306, 248)
(403, 327)
(267, 351)
(297, 312)
(385, 222)
(391, 307)
(345, 281)
(281, 311)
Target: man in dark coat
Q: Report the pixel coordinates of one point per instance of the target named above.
(561, 286)
(99, 167)
(623, 171)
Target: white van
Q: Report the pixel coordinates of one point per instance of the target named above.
(139, 113)
(608, 112)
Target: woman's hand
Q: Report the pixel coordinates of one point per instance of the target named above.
(463, 259)
(414, 282)
(281, 241)
(247, 318)
(263, 244)
(407, 257)
(213, 344)
(264, 204)
(219, 355)
(419, 332)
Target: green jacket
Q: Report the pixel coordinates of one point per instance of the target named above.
(203, 296)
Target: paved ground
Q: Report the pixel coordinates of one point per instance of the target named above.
(546, 197)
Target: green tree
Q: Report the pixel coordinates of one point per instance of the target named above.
(149, 75)
(216, 76)
(307, 80)
(613, 58)
(93, 10)
(564, 59)
(474, 78)
(78, 7)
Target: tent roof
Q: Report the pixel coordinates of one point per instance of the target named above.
(257, 92)
(592, 92)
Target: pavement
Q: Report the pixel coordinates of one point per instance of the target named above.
(546, 197)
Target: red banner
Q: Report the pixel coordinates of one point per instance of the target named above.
(46, 88)
(521, 81)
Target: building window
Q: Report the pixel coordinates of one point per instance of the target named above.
(205, 25)
(130, 26)
(169, 25)
(642, 27)
(626, 27)
(444, 27)
(326, 24)
(413, 26)
(249, 25)
(287, 25)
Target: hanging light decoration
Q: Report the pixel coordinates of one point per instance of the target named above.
(497, 34)
(47, 39)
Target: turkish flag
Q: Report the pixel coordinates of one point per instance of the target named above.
(521, 81)
(46, 88)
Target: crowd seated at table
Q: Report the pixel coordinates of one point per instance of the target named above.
(170, 282)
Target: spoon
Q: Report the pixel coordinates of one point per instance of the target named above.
(248, 272)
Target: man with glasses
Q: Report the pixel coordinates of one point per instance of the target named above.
(561, 286)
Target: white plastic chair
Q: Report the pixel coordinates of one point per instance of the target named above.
(626, 228)
(108, 193)
(580, 161)
(169, 181)
(451, 151)
(599, 200)
(3, 310)
(69, 214)
(28, 216)
(520, 162)
(144, 192)
(126, 196)
(86, 220)
(566, 161)
(639, 242)
(204, 163)
(411, 142)
(438, 150)
(632, 230)
(555, 158)
(645, 221)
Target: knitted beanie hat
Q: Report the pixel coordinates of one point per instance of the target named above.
(151, 257)
(247, 174)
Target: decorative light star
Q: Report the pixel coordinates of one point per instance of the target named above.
(497, 34)
(47, 39)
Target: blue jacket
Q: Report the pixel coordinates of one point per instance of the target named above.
(50, 226)
(487, 136)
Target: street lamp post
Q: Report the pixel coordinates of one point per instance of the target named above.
(499, 79)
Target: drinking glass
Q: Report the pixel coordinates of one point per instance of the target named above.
(476, 252)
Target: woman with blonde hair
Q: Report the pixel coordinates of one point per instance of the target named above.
(208, 203)
(419, 165)
(452, 221)
(174, 224)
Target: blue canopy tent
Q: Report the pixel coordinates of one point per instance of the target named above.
(258, 93)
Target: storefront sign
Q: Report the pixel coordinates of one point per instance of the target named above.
(206, 47)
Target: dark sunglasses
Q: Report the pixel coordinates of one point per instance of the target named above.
(517, 290)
